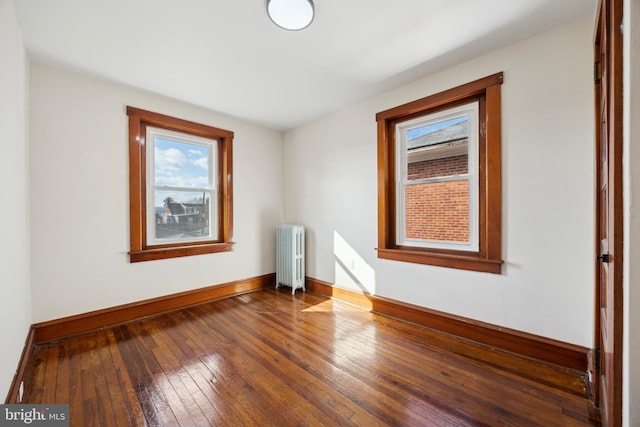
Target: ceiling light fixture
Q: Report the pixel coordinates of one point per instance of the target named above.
(291, 15)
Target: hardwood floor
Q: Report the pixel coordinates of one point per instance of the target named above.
(270, 358)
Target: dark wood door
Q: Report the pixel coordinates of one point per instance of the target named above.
(608, 96)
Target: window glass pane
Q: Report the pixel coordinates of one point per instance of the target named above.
(437, 179)
(181, 164)
(182, 215)
(181, 197)
(438, 211)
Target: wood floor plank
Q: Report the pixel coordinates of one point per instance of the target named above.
(225, 414)
(76, 406)
(129, 410)
(108, 387)
(558, 378)
(348, 385)
(62, 386)
(197, 409)
(383, 407)
(486, 394)
(211, 373)
(268, 358)
(50, 360)
(101, 399)
(35, 382)
(259, 375)
(309, 384)
(41, 378)
(237, 367)
(156, 409)
(87, 373)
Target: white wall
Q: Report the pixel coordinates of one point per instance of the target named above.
(631, 186)
(79, 198)
(548, 244)
(14, 215)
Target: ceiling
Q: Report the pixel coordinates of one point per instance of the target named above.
(226, 55)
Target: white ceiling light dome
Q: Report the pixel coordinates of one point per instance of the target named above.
(291, 15)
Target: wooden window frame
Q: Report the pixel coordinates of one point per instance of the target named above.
(488, 258)
(139, 120)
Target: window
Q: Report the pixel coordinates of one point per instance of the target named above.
(181, 199)
(439, 195)
(437, 180)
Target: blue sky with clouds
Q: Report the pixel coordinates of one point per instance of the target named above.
(180, 164)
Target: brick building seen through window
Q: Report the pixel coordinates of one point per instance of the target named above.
(438, 211)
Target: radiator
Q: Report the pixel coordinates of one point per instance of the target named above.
(290, 256)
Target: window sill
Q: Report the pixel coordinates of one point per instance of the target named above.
(462, 262)
(178, 251)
